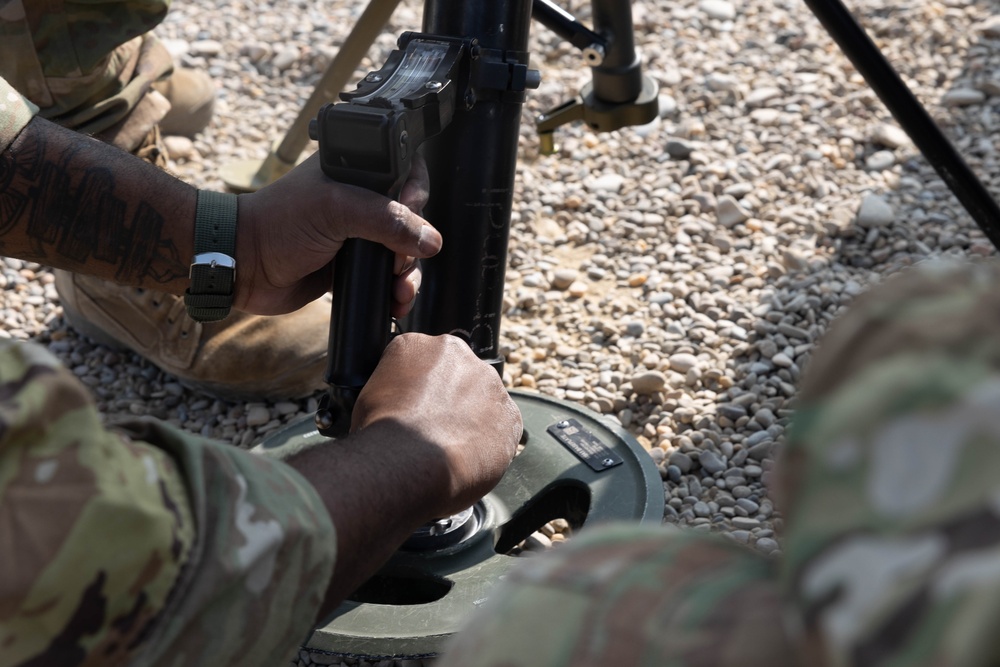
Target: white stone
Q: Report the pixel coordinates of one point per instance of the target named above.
(890, 136)
(607, 183)
(667, 104)
(880, 160)
(285, 58)
(729, 212)
(960, 97)
(874, 212)
(762, 95)
(179, 148)
(648, 382)
(563, 278)
(718, 9)
(258, 416)
(682, 362)
(206, 47)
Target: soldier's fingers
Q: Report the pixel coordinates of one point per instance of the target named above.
(404, 291)
(364, 214)
(403, 264)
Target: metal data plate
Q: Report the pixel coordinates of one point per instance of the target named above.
(584, 445)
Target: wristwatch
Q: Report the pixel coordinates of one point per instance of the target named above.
(213, 269)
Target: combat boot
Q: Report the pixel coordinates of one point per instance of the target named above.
(244, 357)
(191, 94)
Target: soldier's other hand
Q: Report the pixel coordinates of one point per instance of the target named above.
(289, 232)
(453, 409)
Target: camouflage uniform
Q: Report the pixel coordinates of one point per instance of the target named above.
(15, 113)
(144, 545)
(89, 66)
(890, 485)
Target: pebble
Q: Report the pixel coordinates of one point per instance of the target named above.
(285, 58)
(766, 545)
(745, 523)
(179, 148)
(782, 360)
(667, 105)
(563, 278)
(681, 461)
(682, 362)
(729, 212)
(960, 97)
(732, 411)
(890, 136)
(749, 506)
(258, 416)
(711, 462)
(205, 47)
(607, 183)
(635, 329)
(178, 48)
(990, 27)
(880, 160)
(718, 9)
(762, 95)
(765, 117)
(648, 383)
(679, 149)
(875, 212)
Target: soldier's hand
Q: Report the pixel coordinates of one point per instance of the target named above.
(453, 409)
(289, 232)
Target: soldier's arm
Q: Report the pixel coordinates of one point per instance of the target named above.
(72, 202)
(433, 431)
(69, 201)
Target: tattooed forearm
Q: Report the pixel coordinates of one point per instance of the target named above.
(71, 202)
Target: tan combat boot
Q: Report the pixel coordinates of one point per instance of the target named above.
(243, 357)
(191, 94)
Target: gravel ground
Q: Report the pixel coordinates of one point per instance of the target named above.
(674, 277)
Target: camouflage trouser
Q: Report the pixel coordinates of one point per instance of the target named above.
(890, 487)
(144, 545)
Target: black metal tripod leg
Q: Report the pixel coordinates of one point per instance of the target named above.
(910, 114)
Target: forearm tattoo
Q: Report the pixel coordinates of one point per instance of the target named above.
(57, 208)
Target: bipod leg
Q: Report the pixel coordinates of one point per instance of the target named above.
(910, 114)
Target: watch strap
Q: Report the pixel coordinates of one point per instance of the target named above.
(213, 268)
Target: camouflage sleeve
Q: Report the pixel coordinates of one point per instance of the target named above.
(264, 558)
(631, 595)
(87, 65)
(15, 112)
(146, 546)
(891, 500)
(890, 478)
